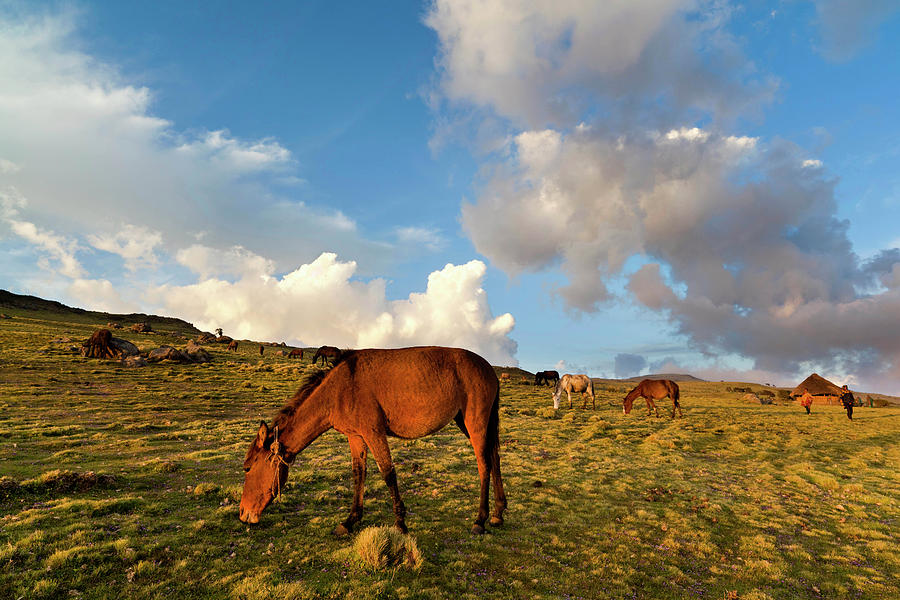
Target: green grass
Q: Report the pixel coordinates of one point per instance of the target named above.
(121, 482)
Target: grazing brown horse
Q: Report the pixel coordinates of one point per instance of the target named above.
(296, 352)
(372, 394)
(574, 383)
(262, 349)
(327, 353)
(548, 377)
(233, 345)
(654, 389)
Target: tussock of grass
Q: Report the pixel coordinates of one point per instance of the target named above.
(62, 480)
(380, 548)
(205, 489)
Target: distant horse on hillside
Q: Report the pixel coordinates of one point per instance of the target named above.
(233, 345)
(296, 353)
(548, 377)
(372, 394)
(262, 349)
(654, 389)
(327, 354)
(574, 383)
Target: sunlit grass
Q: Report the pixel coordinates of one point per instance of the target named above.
(118, 482)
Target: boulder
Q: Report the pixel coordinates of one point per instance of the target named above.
(197, 354)
(124, 348)
(168, 353)
(112, 325)
(206, 338)
(141, 328)
(280, 353)
(135, 361)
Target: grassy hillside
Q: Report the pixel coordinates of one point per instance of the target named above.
(124, 482)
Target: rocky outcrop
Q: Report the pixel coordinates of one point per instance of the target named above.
(103, 345)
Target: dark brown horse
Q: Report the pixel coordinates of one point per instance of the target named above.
(233, 345)
(372, 394)
(262, 349)
(548, 377)
(296, 353)
(327, 353)
(654, 389)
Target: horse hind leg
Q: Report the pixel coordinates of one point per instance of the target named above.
(484, 458)
(358, 453)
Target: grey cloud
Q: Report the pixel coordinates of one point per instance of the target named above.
(627, 365)
(745, 252)
(546, 63)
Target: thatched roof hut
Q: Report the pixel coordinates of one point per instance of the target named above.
(822, 390)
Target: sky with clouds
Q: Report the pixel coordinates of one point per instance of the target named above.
(699, 186)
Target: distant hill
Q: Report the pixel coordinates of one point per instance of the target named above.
(9, 300)
(669, 376)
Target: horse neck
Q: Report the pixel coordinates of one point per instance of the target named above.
(308, 421)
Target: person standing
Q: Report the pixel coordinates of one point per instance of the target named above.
(806, 400)
(848, 401)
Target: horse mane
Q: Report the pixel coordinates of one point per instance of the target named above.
(635, 392)
(309, 385)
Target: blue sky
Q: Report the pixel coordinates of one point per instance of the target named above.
(709, 187)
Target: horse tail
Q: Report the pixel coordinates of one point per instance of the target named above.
(493, 429)
(676, 393)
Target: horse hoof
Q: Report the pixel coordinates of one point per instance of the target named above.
(496, 521)
(341, 530)
(477, 529)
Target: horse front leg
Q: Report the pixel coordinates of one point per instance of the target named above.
(569, 394)
(377, 443)
(358, 454)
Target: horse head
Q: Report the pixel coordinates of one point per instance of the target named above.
(628, 402)
(265, 471)
(557, 392)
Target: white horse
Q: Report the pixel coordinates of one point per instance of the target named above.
(574, 383)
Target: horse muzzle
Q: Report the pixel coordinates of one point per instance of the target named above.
(248, 517)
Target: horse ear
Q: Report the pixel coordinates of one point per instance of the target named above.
(262, 434)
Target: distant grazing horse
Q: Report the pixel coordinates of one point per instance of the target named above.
(504, 376)
(371, 394)
(574, 383)
(262, 349)
(296, 353)
(548, 377)
(654, 389)
(233, 345)
(327, 353)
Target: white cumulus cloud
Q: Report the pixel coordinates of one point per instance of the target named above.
(321, 303)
